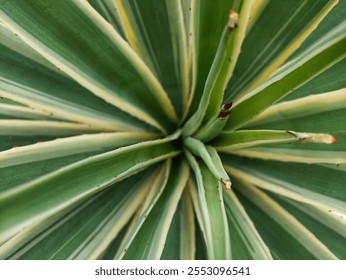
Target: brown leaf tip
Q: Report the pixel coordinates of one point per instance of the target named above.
(232, 20)
(223, 115)
(227, 106)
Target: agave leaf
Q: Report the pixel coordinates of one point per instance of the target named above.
(327, 227)
(322, 55)
(246, 242)
(324, 187)
(282, 240)
(79, 179)
(210, 157)
(155, 29)
(301, 107)
(180, 242)
(213, 219)
(294, 154)
(287, 221)
(48, 91)
(20, 112)
(157, 187)
(221, 68)
(332, 19)
(255, 12)
(150, 240)
(187, 228)
(107, 9)
(321, 113)
(47, 128)
(323, 216)
(209, 20)
(330, 80)
(272, 39)
(69, 146)
(234, 140)
(8, 142)
(142, 97)
(71, 237)
(226, 56)
(13, 42)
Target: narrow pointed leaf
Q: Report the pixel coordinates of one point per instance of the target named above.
(234, 140)
(294, 154)
(328, 51)
(279, 30)
(69, 146)
(209, 20)
(74, 182)
(213, 215)
(151, 238)
(320, 226)
(180, 243)
(323, 187)
(74, 237)
(52, 93)
(246, 241)
(330, 80)
(46, 128)
(210, 158)
(20, 112)
(157, 187)
(108, 10)
(156, 31)
(301, 107)
(142, 97)
(288, 222)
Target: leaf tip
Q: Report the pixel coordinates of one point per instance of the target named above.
(232, 20)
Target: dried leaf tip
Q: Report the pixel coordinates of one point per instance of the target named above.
(232, 20)
(226, 184)
(320, 138)
(227, 106)
(223, 115)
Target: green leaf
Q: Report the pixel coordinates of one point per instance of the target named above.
(46, 128)
(10, 111)
(312, 184)
(282, 244)
(107, 9)
(327, 227)
(155, 29)
(246, 242)
(209, 20)
(8, 142)
(294, 154)
(330, 80)
(305, 106)
(11, 41)
(55, 95)
(69, 146)
(278, 31)
(326, 52)
(156, 189)
(221, 68)
(180, 242)
(60, 39)
(87, 230)
(213, 220)
(226, 56)
(234, 140)
(332, 19)
(49, 194)
(150, 240)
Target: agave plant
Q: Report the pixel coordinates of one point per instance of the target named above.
(191, 129)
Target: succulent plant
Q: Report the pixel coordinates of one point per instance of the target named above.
(176, 129)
